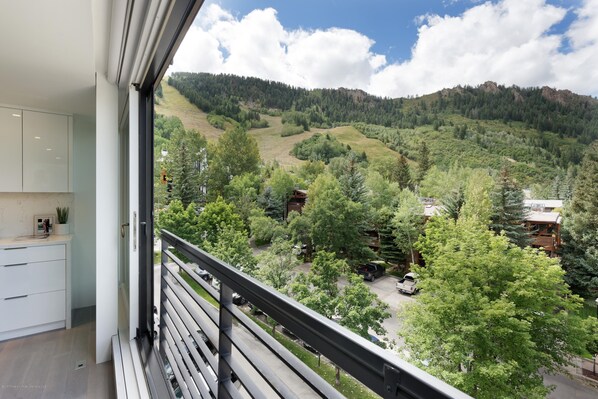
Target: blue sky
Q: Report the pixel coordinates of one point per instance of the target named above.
(399, 47)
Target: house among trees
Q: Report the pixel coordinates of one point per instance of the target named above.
(543, 221)
(297, 201)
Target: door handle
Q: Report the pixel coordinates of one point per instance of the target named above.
(122, 229)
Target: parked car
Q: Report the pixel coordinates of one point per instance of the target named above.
(201, 272)
(371, 270)
(238, 299)
(299, 249)
(408, 284)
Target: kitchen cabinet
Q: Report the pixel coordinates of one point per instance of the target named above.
(45, 152)
(35, 151)
(34, 287)
(11, 150)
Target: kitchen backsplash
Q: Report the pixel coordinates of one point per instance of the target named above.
(17, 210)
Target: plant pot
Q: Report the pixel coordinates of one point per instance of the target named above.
(61, 229)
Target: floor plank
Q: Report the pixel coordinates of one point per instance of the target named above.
(43, 365)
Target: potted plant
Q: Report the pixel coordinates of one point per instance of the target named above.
(62, 227)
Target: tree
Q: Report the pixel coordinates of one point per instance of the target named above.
(235, 154)
(380, 192)
(179, 220)
(264, 228)
(453, 203)
(580, 228)
(310, 170)
(477, 204)
(402, 173)
(282, 187)
(231, 246)
(491, 316)
(360, 309)
(408, 222)
(336, 221)
(352, 180)
(275, 265)
(299, 229)
(424, 162)
(318, 290)
(215, 217)
(508, 213)
(242, 193)
(185, 163)
(389, 251)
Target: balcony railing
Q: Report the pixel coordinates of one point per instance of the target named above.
(222, 353)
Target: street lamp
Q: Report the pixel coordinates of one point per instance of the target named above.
(597, 308)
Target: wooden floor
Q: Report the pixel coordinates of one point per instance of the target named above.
(44, 365)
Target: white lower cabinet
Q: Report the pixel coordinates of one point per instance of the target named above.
(32, 310)
(33, 289)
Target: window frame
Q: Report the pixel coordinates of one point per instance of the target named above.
(179, 20)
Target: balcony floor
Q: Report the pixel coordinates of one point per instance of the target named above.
(43, 365)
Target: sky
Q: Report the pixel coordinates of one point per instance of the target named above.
(398, 48)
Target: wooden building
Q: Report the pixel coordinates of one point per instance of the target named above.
(297, 201)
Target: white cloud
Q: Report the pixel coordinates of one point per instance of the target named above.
(508, 42)
(258, 45)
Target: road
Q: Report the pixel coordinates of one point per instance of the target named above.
(566, 388)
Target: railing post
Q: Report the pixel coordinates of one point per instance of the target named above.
(225, 326)
(163, 275)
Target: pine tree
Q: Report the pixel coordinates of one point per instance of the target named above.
(424, 162)
(352, 180)
(508, 212)
(580, 229)
(453, 203)
(186, 156)
(402, 174)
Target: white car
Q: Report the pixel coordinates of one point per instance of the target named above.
(408, 284)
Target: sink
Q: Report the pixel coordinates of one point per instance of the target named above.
(32, 237)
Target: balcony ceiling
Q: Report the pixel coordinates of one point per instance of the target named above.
(47, 55)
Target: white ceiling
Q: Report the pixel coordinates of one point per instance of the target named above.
(47, 55)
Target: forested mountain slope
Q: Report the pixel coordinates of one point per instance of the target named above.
(540, 132)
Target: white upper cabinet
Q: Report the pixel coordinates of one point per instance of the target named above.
(45, 152)
(35, 151)
(11, 150)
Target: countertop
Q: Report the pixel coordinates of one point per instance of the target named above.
(30, 242)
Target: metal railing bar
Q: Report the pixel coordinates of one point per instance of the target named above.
(205, 306)
(308, 375)
(175, 369)
(225, 326)
(192, 378)
(272, 379)
(360, 358)
(311, 378)
(209, 289)
(182, 311)
(243, 377)
(269, 376)
(205, 373)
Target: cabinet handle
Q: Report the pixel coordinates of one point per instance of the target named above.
(16, 264)
(13, 248)
(16, 297)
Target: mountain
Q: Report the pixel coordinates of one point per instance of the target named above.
(540, 132)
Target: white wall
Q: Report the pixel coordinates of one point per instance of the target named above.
(106, 218)
(84, 218)
(17, 210)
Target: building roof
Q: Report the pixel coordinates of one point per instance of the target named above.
(432, 210)
(545, 217)
(544, 203)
